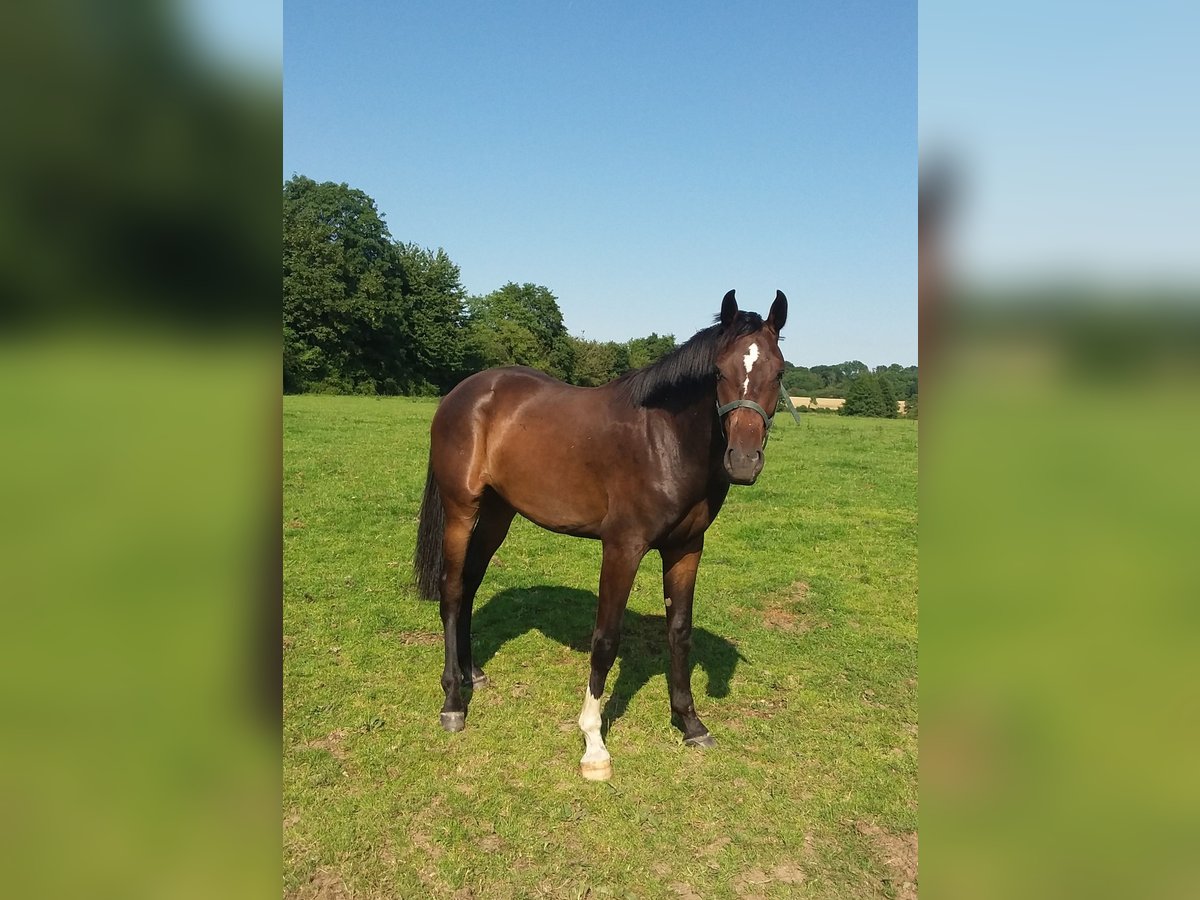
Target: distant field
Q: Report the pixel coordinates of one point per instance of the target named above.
(805, 654)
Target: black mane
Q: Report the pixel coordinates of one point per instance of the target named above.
(689, 368)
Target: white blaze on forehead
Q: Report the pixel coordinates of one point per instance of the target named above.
(749, 360)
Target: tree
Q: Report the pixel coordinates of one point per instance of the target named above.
(344, 320)
(436, 309)
(891, 410)
(801, 380)
(903, 380)
(853, 369)
(646, 350)
(361, 312)
(826, 375)
(598, 362)
(520, 324)
(864, 398)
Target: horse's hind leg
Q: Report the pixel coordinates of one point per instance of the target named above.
(460, 521)
(456, 457)
(495, 517)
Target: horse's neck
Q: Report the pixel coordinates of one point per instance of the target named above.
(700, 435)
(702, 440)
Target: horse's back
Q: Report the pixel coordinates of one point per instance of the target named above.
(485, 396)
(531, 438)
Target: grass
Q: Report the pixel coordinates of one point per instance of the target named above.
(805, 655)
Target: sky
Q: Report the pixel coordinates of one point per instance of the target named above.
(639, 160)
(1073, 131)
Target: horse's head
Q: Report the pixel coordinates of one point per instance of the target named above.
(749, 369)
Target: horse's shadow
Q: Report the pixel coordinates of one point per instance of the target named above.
(568, 615)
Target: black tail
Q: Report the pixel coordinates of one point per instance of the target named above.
(427, 557)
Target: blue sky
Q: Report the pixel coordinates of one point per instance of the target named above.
(637, 159)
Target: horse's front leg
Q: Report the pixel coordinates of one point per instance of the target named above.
(616, 579)
(679, 586)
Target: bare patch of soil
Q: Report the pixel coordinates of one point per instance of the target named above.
(717, 846)
(419, 832)
(754, 882)
(332, 743)
(898, 853)
(779, 619)
(785, 615)
(765, 709)
(424, 842)
(788, 873)
(323, 885)
(751, 884)
(419, 638)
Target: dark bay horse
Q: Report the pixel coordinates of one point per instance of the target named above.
(641, 463)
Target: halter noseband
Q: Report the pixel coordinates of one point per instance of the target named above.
(723, 411)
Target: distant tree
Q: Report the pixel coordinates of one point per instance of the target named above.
(903, 380)
(598, 362)
(436, 310)
(499, 342)
(864, 398)
(646, 350)
(798, 380)
(836, 380)
(364, 313)
(891, 410)
(911, 408)
(853, 369)
(519, 324)
(826, 374)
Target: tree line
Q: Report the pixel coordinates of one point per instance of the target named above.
(867, 391)
(365, 313)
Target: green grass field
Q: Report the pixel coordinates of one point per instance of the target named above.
(805, 654)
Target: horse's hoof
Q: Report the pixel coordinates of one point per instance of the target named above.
(454, 721)
(475, 681)
(701, 740)
(596, 771)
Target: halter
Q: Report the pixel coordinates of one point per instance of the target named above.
(723, 411)
(768, 420)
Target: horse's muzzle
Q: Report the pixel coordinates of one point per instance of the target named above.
(743, 468)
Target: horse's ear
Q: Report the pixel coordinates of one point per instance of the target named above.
(729, 310)
(778, 314)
